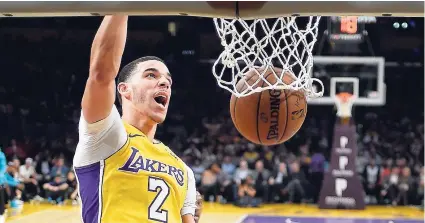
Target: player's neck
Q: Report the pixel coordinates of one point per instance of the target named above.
(142, 123)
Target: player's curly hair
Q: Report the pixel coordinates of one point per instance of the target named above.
(128, 70)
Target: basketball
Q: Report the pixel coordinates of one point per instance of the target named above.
(269, 117)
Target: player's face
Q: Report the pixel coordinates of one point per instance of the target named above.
(151, 89)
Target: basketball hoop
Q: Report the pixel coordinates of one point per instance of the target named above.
(268, 43)
(344, 104)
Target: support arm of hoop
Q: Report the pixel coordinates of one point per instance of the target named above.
(214, 9)
(105, 59)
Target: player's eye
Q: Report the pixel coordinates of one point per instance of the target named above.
(151, 75)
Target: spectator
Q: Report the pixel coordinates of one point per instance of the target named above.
(227, 166)
(278, 182)
(209, 183)
(251, 156)
(295, 185)
(371, 179)
(267, 156)
(304, 157)
(405, 185)
(261, 177)
(56, 189)
(246, 194)
(43, 167)
(386, 170)
(361, 161)
(242, 172)
(390, 187)
(59, 168)
(16, 163)
(27, 176)
(13, 186)
(226, 186)
(317, 169)
(72, 187)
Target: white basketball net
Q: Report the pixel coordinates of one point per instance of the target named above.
(266, 44)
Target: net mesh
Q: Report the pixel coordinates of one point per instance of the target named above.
(266, 44)
(344, 103)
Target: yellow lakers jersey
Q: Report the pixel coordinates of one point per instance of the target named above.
(143, 181)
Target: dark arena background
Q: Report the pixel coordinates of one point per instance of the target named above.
(44, 66)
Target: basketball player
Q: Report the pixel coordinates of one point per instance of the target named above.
(124, 174)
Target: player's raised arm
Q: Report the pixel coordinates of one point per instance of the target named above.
(105, 59)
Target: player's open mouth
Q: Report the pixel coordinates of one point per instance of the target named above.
(161, 98)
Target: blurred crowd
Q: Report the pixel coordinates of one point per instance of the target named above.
(41, 85)
(389, 163)
(39, 180)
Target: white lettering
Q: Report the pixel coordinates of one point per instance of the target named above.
(335, 201)
(343, 161)
(342, 173)
(340, 186)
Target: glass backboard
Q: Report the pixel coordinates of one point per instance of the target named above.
(360, 76)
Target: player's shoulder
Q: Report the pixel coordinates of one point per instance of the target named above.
(101, 126)
(101, 139)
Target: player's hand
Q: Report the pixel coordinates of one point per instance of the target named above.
(199, 205)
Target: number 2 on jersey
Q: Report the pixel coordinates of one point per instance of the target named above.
(155, 211)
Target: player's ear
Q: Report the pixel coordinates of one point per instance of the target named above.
(124, 90)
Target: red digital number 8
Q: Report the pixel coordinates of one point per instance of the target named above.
(349, 24)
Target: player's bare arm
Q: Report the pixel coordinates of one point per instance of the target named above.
(105, 59)
(188, 219)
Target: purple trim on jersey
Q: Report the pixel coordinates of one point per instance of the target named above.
(89, 178)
